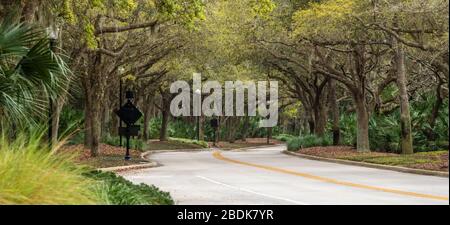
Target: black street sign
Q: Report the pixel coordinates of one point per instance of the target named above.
(129, 114)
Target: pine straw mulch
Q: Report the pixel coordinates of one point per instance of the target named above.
(436, 161)
(110, 156)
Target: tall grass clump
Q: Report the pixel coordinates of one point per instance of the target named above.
(30, 173)
(308, 141)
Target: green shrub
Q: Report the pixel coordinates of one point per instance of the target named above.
(296, 143)
(115, 190)
(284, 137)
(76, 139)
(348, 129)
(190, 141)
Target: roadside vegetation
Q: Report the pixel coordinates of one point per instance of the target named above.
(436, 160)
(115, 190)
(372, 75)
(31, 174)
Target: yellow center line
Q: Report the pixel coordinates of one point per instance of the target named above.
(219, 156)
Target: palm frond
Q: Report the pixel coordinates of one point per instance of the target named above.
(30, 73)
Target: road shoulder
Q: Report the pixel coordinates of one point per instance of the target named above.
(370, 165)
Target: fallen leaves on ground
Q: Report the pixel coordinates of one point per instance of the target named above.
(109, 156)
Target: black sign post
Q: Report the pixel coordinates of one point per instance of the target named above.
(129, 114)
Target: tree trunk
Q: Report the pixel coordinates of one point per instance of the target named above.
(57, 108)
(311, 122)
(164, 123)
(320, 115)
(334, 106)
(105, 121)
(231, 129)
(87, 125)
(114, 126)
(29, 9)
(146, 135)
(405, 115)
(147, 107)
(269, 134)
(362, 136)
(245, 128)
(95, 129)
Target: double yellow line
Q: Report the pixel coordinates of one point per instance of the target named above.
(219, 156)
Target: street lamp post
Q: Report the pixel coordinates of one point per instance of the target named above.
(53, 41)
(121, 72)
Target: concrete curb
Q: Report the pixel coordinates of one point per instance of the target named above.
(132, 167)
(148, 165)
(251, 148)
(145, 155)
(371, 165)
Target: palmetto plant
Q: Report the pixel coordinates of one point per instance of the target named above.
(30, 73)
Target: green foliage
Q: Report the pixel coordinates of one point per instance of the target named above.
(185, 11)
(204, 144)
(70, 121)
(384, 130)
(284, 137)
(32, 174)
(154, 127)
(30, 73)
(179, 128)
(323, 18)
(115, 190)
(90, 38)
(135, 143)
(76, 138)
(348, 129)
(296, 143)
(262, 7)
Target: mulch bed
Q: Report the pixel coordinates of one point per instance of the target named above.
(110, 156)
(437, 161)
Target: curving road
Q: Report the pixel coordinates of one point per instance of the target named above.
(265, 176)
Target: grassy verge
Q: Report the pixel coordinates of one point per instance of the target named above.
(115, 190)
(175, 144)
(437, 161)
(249, 143)
(307, 141)
(32, 174)
(193, 143)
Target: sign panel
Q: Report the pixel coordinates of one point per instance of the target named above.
(129, 113)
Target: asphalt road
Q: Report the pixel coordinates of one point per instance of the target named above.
(268, 177)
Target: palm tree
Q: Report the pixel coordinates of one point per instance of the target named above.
(30, 73)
